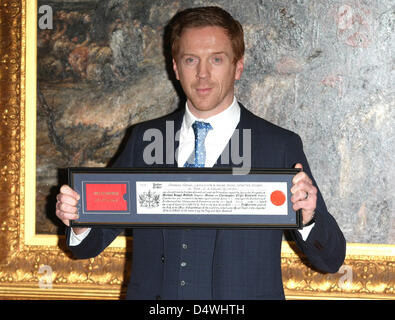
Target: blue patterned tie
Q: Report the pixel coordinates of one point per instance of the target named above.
(198, 157)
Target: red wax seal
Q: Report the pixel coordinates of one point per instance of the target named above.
(277, 198)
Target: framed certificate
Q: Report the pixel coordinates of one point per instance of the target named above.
(184, 198)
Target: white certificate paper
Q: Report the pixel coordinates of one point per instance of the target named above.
(211, 198)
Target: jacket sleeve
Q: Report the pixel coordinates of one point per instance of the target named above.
(94, 243)
(325, 247)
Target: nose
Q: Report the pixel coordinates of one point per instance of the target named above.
(203, 70)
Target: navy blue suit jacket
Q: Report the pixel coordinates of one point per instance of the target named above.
(246, 263)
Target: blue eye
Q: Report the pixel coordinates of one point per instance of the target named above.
(217, 60)
(190, 60)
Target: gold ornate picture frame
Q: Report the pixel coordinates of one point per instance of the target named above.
(39, 266)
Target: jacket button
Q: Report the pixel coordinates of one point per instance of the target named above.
(162, 259)
(158, 297)
(318, 245)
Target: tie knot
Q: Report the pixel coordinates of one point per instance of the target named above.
(201, 128)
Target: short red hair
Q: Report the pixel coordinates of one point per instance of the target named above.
(204, 17)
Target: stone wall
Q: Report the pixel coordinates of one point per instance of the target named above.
(324, 69)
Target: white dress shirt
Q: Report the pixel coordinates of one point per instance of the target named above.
(223, 125)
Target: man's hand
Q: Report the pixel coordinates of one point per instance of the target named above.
(66, 207)
(304, 195)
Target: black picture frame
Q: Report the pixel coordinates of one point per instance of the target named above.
(133, 208)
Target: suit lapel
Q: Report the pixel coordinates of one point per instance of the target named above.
(226, 154)
(175, 120)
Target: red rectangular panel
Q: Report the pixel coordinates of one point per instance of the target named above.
(106, 197)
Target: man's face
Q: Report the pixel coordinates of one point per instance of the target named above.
(206, 69)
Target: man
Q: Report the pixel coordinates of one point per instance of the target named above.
(208, 49)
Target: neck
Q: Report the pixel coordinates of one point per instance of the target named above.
(205, 114)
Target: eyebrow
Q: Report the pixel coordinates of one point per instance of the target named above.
(213, 53)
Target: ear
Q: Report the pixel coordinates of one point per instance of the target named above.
(239, 68)
(175, 69)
